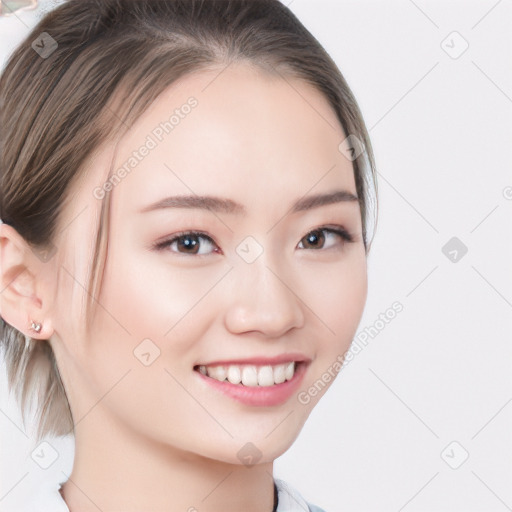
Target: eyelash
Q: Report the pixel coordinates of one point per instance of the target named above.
(341, 232)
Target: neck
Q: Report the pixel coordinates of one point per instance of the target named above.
(115, 469)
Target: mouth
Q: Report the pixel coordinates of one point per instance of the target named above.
(252, 375)
(260, 385)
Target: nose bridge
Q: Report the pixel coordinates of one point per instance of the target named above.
(262, 298)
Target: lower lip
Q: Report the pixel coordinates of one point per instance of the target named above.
(276, 394)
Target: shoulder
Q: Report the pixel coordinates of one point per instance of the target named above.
(290, 500)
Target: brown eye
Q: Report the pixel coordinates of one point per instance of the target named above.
(316, 239)
(188, 243)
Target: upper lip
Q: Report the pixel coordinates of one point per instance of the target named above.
(260, 360)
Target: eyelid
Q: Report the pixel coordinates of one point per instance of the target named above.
(334, 228)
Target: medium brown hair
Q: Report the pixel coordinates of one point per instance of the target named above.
(111, 59)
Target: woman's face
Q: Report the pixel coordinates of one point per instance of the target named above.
(265, 282)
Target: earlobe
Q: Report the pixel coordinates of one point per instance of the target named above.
(19, 304)
(38, 330)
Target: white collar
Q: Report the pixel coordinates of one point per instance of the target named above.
(289, 499)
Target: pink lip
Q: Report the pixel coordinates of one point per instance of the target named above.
(272, 361)
(276, 394)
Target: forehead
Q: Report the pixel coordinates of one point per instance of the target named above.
(233, 131)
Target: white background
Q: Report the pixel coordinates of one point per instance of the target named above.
(440, 372)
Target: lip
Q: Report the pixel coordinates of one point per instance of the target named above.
(259, 396)
(260, 361)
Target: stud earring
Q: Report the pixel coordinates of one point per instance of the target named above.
(36, 327)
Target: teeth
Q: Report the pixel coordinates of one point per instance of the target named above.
(234, 374)
(251, 375)
(266, 376)
(218, 372)
(279, 373)
(289, 370)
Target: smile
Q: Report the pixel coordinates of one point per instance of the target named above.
(251, 375)
(251, 384)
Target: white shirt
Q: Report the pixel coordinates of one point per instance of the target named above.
(289, 500)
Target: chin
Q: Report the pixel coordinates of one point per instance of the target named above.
(254, 448)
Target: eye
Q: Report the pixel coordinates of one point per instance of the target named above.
(187, 243)
(317, 240)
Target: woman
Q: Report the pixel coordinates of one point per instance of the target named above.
(185, 195)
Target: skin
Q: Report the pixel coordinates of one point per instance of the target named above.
(156, 437)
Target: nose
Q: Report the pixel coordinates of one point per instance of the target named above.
(263, 300)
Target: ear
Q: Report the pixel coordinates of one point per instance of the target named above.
(20, 297)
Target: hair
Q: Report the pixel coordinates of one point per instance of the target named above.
(111, 60)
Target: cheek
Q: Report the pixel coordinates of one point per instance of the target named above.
(151, 298)
(340, 304)
(338, 309)
(137, 307)
(347, 299)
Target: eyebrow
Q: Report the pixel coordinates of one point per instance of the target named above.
(220, 205)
